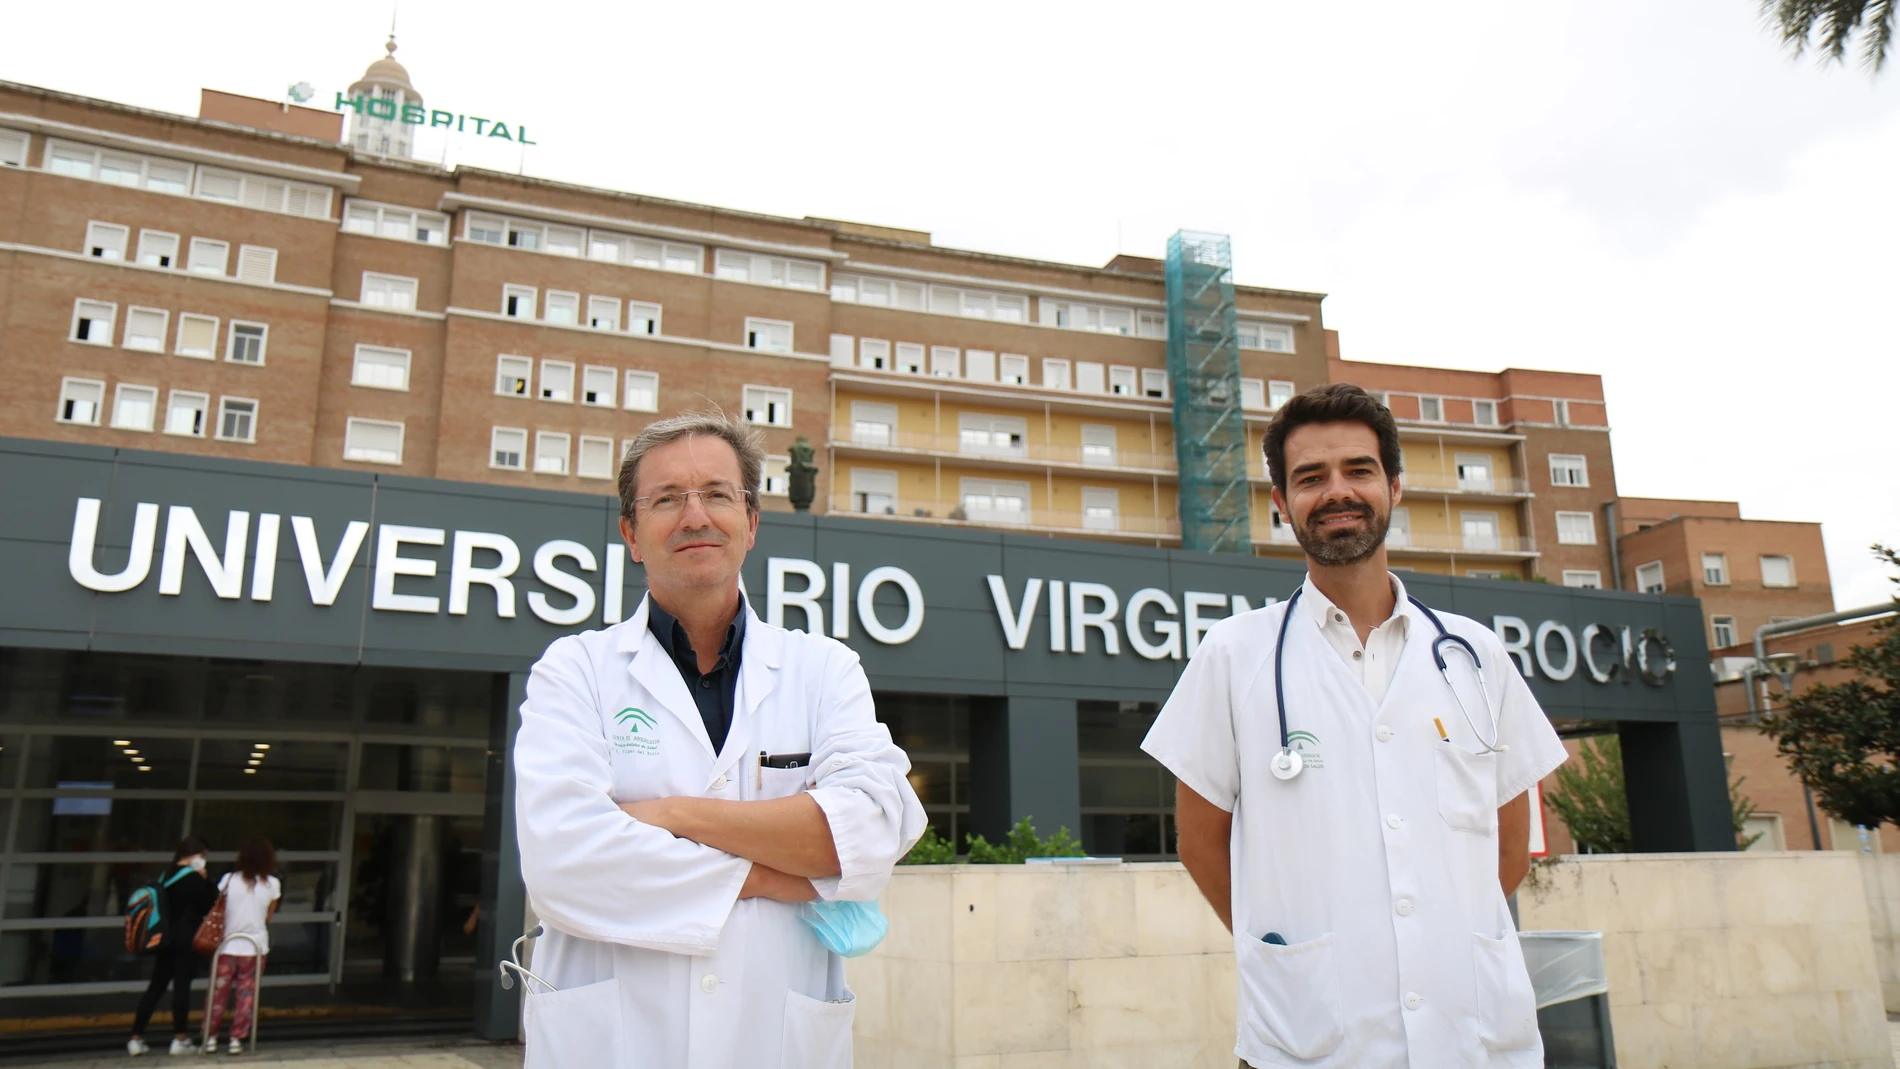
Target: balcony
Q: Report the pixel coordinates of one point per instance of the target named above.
(998, 514)
(1489, 486)
(1404, 543)
(878, 438)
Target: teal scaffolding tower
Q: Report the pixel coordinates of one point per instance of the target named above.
(1210, 439)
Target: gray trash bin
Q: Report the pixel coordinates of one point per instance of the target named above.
(1573, 998)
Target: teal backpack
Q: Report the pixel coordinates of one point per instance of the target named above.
(144, 922)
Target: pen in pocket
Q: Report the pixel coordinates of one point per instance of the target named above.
(1440, 725)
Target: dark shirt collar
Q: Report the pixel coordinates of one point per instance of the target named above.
(672, 637)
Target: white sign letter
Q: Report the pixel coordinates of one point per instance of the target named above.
(1015, 622)
(1516, 636)
(138, 564)
(326, 584)
(1058, 626)
(390, 563)
(1591, 633)
(183, 529)
(613, 586)
(264, 563)
(572, 585)
(840, 599)
(1080, 619)
(1168, 628)
(1568, 668)
(867, 607)
(463, 573)
(778, 599)
(1197, 625)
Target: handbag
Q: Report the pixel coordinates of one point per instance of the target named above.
(211, 930)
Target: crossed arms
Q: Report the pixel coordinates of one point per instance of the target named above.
(788, 840)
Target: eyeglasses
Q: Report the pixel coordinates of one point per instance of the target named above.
(712, 499)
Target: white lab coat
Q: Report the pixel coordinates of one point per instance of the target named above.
(656, 963)
(1378, 864)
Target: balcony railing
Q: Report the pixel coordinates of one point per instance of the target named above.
(865, 437)
(1496, 484)
(1093, 521)
(1452, 543)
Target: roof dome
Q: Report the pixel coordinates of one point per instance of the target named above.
(387, 72)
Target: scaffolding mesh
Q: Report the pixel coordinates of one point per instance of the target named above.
(1210, 439)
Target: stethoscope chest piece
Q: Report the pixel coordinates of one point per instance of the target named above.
(1286, 764)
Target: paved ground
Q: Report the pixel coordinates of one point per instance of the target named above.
(438, 1054)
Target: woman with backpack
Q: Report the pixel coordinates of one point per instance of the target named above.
(251, 893)
(185, 897)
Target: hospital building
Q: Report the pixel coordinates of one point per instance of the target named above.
(272, 375)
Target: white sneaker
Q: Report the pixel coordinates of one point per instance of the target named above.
(237, 1046)
(211, 1045)
(184, 1046)
(136, 1046)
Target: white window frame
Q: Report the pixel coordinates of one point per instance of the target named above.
(979, 365)
(94, 321)
(990, 426)
(57, 152)
(412, 222)
(1587, 519)
(266, 194)
(1477, 461)
(152, 249)
(651, 254)
(72, 393)
(1398, 529)
(1151, 325)
(257, 265)
(869, 483)
(209, 352)
(399, 292)
(874, 354)
(1260, 335)
(1012, 369)
(1097, 499)
(1091, 376)
(520, 450)
(1583, 578)
(1154, 384)
(767, 406)
(1569, 470)
(552, 446)
(1253, 395)
(514, 298)
(593, 376)
(1093, 318)
(1098, 445)
(1719, 622)
(557, 377)
(1762, 562)
(1466, 516)
(209, 256)
(1560, 410)
(603, 313)
(125, 392)
(187, 397)
(909, 357)
(735, 265)
(556, 301)
(968, 487)
(761, 334)
(1055, 374)
(515, 370)
(867, 417)
(646, 312)
(1279, 392)
(775, 479)
(1435, 413)
(224, 409)
(354, 423)
(157, 340)
(106, 241)
(478, 226)
(946, 361)
(979, 304)
(638, 383)
(384, 357)
(1720, 570)
(231, 339)
(1123, 381)
(1484, 413)
(583, 468)
(13, 148)
(1650, 575)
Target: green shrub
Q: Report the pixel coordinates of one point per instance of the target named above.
(1023, 843)
(932, 849)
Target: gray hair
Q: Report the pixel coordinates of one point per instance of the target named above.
(712, 424)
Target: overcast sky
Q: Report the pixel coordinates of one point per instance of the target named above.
(1651, 192)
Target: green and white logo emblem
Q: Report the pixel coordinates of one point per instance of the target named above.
(1306, 744)
(635, 732)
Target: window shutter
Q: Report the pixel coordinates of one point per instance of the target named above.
(257, 264)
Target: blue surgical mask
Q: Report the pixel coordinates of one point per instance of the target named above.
(846, 928)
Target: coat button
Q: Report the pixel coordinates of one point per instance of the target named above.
(1413, 1000)
(709, 983)
(1384, 734)
(719, 783)
(1404, 907)
(1394, 820)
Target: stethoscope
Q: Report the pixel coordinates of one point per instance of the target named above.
(1288, 763)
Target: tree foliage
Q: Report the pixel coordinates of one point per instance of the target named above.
(1829, 27)
(1589, 797)
(1843, 740)
(1020, 844)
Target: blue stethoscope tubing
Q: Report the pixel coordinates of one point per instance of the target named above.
(1287, 763)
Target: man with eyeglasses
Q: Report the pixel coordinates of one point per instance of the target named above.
(685, 782)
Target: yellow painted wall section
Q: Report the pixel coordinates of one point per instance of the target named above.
(1439, 460)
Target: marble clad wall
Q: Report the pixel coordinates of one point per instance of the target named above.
(1046, 967)
(1728, 960)
(1881, 876)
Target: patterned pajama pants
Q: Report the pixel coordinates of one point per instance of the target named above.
(237, 979)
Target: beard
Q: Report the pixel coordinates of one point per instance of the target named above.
(1349, 546)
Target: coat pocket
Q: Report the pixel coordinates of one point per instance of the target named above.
(576, 1027)
(1289, 996)
(1507, 1007)
(1467, 788)
(817, 1033)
